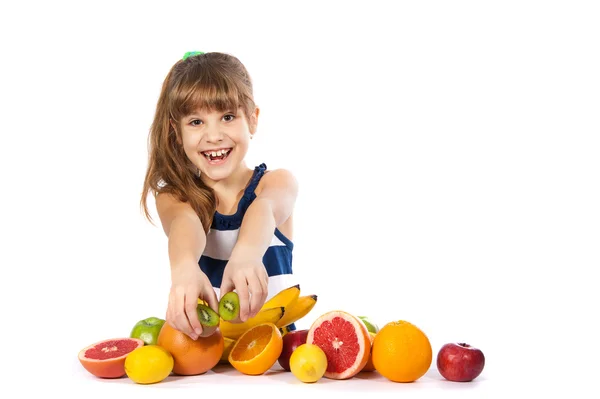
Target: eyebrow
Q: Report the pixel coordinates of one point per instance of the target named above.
(194, 115)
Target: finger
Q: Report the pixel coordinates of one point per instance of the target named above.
(226, 286)
(170, 318)
(241, 286)
(211, 298)
(191, 304)
(181, 319)
(264, 282)
(255, 287)
(264, 285)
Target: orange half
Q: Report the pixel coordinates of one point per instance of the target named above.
(257, 350)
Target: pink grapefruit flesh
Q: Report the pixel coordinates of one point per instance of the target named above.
(345, 340)
(106, 359)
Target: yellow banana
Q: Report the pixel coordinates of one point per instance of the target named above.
(284, 330)
(297, 310)
(228, 346)
(235, 330)
(283, 298)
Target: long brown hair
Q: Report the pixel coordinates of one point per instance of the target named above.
(210, 81)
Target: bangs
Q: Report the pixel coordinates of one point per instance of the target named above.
(208, 92)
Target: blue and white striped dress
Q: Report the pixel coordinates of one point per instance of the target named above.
(223, 234)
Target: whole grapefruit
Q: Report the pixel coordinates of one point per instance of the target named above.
(191, 357)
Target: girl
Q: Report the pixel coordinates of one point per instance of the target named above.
(229, 226)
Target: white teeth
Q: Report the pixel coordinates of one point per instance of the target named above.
(218, 153)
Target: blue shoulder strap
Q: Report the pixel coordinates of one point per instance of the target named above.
(259, 171)
(231, 222)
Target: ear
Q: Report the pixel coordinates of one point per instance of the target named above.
(253, 122)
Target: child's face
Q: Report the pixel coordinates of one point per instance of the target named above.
(216, 142)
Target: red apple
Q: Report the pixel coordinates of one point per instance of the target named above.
(460, 362)
(291, 341)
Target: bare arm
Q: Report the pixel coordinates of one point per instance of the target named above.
(272, 207)
(245, 271)
(184, 230)
(187, 240)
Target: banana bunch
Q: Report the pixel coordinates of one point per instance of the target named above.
(283, 309)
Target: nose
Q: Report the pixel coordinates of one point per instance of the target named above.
(214, 134)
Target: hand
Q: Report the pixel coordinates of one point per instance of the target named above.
(250, 280)
(189, 284)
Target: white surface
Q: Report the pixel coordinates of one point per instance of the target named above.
(224, 380)
(447, 155)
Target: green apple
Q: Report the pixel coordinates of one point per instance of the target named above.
(372, 327)
(147, 330)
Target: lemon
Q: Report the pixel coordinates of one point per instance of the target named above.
(308, 363)
(149, 364)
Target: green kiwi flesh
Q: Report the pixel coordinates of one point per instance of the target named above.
(207, 316)
(229, 306)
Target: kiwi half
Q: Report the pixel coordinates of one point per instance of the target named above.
(207, 316)
(229, 306)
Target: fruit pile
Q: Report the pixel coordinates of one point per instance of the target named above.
(338, 345)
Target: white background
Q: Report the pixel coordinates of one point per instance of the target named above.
(447, 155)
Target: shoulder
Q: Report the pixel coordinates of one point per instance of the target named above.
(169, 207)
(278, 179)
(166, 201)
(279, 188)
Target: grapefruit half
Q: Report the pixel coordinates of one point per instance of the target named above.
(345, 340)
(106, 359)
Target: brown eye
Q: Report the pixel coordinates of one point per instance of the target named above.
(193, 123)
(231, 117)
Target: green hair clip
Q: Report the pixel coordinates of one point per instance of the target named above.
(191, 54)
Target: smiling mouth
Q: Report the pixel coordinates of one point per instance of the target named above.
(217, 155)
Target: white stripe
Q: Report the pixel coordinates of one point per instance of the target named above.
(220, 243)
(276, 284)
(279, 283)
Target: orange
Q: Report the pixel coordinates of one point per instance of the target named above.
(191, 357)
(401, 352)
(369, 366)
(257, 350)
